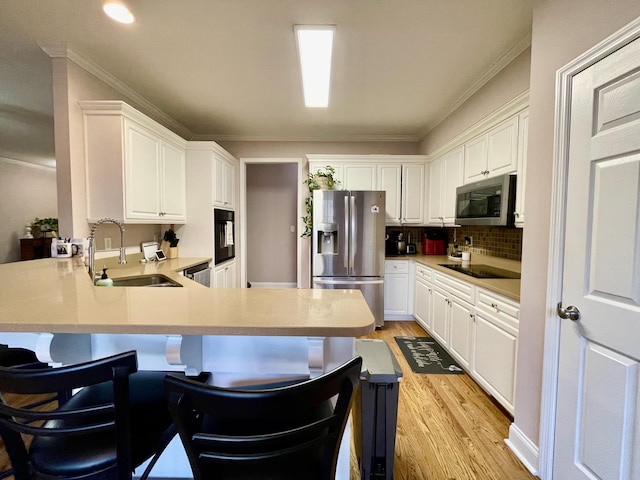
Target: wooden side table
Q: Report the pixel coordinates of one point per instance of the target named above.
(33, 248)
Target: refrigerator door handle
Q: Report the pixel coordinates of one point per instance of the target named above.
(346, 232)
(348, 282)
(354, 234)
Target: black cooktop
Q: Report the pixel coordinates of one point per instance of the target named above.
(481, 271)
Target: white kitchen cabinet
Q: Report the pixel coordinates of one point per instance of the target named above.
(390, 180)
(413, 194)
(461, 331)
(224, 183)
(445, 175)
(496, 345)
(523, 143)
(493, 153)
(402, 177)
(360, 177)
(396, 289)
(135, 167)
(224, 275)
(423, 296)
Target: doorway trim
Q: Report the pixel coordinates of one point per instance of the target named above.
(243, 212)
(564, 80)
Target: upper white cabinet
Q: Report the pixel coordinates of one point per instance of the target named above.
(390, 180)
(445, 175)
(402, 177)
(135, 168)
(224, 181)
(413, 194)
(492, 153)
(523, 143)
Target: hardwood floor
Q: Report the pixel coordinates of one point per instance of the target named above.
(448, 428)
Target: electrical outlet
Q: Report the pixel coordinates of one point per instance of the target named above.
(107, 243)
(468, 241)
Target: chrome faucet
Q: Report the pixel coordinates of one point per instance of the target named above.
(92, 246)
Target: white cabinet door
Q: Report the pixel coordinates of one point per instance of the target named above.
(440, 317)
(495, 359)
(422, 303)
(396, 287)
(445, 175)
(461, 331)
(224, 191)
(493, 153)
(413, 195)
(173, 205)
(224, 275)
(142, 172)
(502, 148)
(389, 180)
(360, 177)
(475, 159)
(523, 143)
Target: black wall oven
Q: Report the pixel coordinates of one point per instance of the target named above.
(224, 235)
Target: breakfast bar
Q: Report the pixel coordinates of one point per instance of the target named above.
(241, 336)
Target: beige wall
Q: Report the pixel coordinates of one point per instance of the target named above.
(561, 32)
(505, 86)
(26, 192)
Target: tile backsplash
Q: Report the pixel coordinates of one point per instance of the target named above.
(502, 242)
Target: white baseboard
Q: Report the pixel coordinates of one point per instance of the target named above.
(526, 451)
(393, 316)
(273, 285)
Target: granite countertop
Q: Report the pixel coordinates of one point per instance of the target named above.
(56, 295)
(510, 288)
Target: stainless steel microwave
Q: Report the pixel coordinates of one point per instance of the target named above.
(487, 202)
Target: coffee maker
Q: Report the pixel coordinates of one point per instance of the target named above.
(396, 244)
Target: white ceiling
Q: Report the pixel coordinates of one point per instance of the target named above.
(227, 69)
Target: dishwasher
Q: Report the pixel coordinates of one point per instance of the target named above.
(200, 273)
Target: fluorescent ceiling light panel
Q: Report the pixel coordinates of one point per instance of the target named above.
(315, 43)
(118, 12)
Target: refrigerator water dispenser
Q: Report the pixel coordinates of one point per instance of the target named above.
(327, 243)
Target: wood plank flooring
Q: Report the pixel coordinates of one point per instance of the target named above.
(448, 427)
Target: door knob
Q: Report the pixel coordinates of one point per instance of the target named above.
(571, 312)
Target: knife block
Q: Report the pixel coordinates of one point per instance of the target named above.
(173, 252)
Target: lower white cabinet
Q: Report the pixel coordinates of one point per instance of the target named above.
(396, 290)
(496, 345)
(477, 327)
(423, 296)
(224, 275)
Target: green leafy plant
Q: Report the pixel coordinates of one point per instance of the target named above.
(43, 225)
(321, 179)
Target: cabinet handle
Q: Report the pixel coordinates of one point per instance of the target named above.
(495, 307)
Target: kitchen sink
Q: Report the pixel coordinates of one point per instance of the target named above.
(153, 280)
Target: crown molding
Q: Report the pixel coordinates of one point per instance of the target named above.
(65, 51)
(501, 62)
(313, 138)
(24, 163)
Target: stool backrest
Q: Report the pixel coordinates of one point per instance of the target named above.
(66, 420)
(285, 433)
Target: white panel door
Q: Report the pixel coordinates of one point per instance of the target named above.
(598, 405)
(142, 178)
(389, 180)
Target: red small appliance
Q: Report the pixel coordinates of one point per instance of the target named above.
(432, 244)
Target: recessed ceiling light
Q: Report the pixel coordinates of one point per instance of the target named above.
(119, 12)
(315, 44)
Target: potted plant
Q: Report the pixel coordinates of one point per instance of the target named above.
(45, 227)
(322, 179)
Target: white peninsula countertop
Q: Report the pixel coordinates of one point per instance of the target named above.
(56, 295)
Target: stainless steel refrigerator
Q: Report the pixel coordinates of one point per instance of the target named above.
(348, 244)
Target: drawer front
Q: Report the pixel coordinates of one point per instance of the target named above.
(424, 273)
(498, 307)
(396, 266)
(460, 289)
